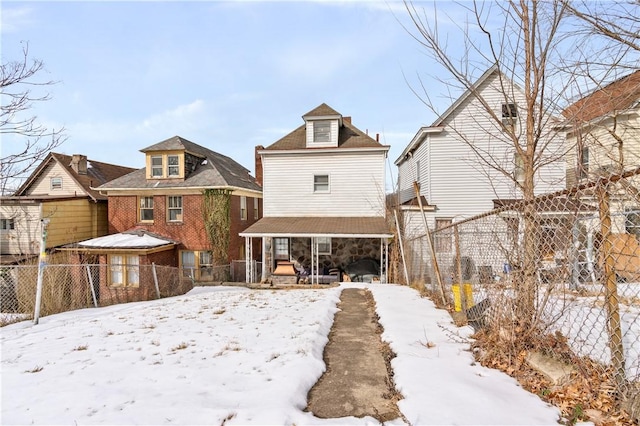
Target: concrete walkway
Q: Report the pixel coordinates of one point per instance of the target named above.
(357, 381)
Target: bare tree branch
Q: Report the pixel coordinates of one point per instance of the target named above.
(17, 79)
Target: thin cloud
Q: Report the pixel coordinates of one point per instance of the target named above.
(13, 20)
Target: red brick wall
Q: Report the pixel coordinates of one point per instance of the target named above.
(123, 215)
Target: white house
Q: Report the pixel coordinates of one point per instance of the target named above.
(324, 198)
(465, 161)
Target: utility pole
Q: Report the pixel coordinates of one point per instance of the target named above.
(42, 263)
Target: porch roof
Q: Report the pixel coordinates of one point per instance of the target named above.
(338, 227)
(132, 240)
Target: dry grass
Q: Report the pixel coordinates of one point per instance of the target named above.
(589, 395)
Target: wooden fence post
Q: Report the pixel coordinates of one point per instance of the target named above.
(611, 290)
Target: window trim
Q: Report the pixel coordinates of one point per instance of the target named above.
(256, 208)
(198, 264)
(281, 256)
(321, 136)
(632, 221)
(53, 185)
(7, 221)
(156, 167)
(326, 250)
(317, 189)
(180, 215)
(243, 207)
(174, 166)
(141, 208)
(583, 166)
(518, 168)
(127, 269)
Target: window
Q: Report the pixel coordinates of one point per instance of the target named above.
(7, 224)
(281, 248)
(188, 263)
(256, 213)
(632, 221)
(509, 111)
(583, 166)
(443, 238)
(518, 169)
(156, 166)
(56, 183)
(175, 208)
(322, 131)
(197, 265)
(321, 183)
(146, 209)
(509, 114)
(243, 208)
(173, 166)
(205, 265)
(324, 245)
(123, 274)
(418, 171)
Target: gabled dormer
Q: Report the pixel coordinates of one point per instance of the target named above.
(170, 159)
(323, 126)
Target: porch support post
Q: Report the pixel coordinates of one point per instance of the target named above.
(247, 260)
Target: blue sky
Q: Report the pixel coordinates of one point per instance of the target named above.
(225, 75)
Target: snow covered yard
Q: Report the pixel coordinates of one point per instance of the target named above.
(236, 356)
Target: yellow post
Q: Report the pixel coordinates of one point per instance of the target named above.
(468, 294)
(457, 299)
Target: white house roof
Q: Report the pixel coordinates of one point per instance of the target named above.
(127, 240)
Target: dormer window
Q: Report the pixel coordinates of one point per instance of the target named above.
(173, 167)
(156, 166)
(322, 131)
(169, 165)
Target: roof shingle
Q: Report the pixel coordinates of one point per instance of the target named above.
(617, 96)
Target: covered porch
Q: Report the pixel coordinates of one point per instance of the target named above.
(320, 250)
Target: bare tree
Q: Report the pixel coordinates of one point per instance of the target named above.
(522, 40)
(17, 81)
(619, 22)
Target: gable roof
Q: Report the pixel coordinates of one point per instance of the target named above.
(214, 171)
(321, 110)
(619, 95)
(349, 136)
(437, 125)
(98, 173)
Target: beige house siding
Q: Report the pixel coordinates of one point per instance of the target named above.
(72, 220)
(604, 152)
(25, 238)
(42, 184)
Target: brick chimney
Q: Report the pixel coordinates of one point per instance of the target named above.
(346, 119)
(79, 164)
(258, 160)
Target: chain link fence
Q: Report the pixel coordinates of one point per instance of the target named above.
(67, 287)
(559, 275)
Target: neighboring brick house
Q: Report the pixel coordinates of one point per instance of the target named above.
(59, 191)
(157, 213)
(324, 198)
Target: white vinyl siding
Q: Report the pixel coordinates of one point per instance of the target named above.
(42, 184)
(357, 184)
(331, 143)
(452, 177)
